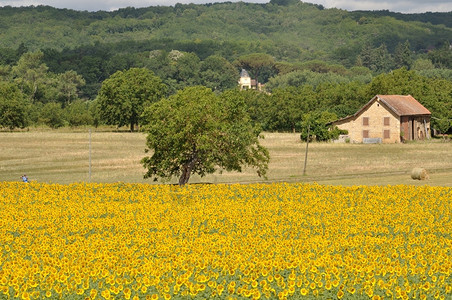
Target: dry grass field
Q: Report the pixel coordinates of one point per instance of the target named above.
(62, 156)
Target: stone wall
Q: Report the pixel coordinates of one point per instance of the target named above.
(375, 121)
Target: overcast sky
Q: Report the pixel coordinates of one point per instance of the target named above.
(404, 6)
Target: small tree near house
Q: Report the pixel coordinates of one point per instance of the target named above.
(319, 128)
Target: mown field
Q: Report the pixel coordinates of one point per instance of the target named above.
(62, 156)
(256, 241)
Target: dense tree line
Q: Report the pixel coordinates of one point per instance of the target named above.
(287, 30)
(288, 107)
(271, 23)
(30, 94)
(315, 63)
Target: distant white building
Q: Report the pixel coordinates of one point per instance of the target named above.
(245, 82)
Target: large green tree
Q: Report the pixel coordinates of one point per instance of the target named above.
(68, 83)
(288, 106)
(218, 74)
(433, 93)
(378, 59)
(31, 75)
(262, 66)
(13, 107)
(196, 131)
(52, 115)
(316, 125)
(78, 113)
(403, 56)
(123, 97)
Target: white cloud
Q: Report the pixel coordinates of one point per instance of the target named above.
(404, 6)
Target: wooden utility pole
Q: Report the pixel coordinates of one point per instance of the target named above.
(306, 153)
(89, 155)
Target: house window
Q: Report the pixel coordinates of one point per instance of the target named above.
(386, 121)
(365, 121)
(365, 134)
(386, 134)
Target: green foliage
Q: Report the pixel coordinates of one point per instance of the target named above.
(288, 106)
(284, 2)
(52, 115)
(5, 73)
(316, 124)
(7, 56)
(421, 64)
(196, 131)
(437, 73)
(285, 29)
(13, 107)
(311, 58)
(319, 66)
(68, 83)
(443, 125)
(123, 97)
(403, 57)
(429, 17)
(399, 82)
(97, 44)
(434, 93)
(261, 66)
(442, 57)
(187, 69)
(259, 106)
(35, 80)
(218, 74)
(79, 113)
(378, 59)
(306, 77)
(30, 75)
(181, 69)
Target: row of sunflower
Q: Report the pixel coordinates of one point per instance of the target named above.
(259, 241)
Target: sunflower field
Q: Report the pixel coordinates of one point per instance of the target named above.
(258, 241)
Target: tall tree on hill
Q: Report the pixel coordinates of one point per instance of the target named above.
(288, 107)
(218, 74)
(376, 59)
(123, 97)
(403, 56)
(13, 107)
(68, 83)
(442, 57)
(187, 69)
(433, 93)
(30, 74)
(261, 66)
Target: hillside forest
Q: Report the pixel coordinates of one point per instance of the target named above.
(313, 63)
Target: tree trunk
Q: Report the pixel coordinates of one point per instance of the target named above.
(32, 96)
(131, 126)
(186, 170)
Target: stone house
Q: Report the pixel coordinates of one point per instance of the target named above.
(387, 119)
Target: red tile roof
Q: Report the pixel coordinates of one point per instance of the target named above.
(404, 105)
(400, 105)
